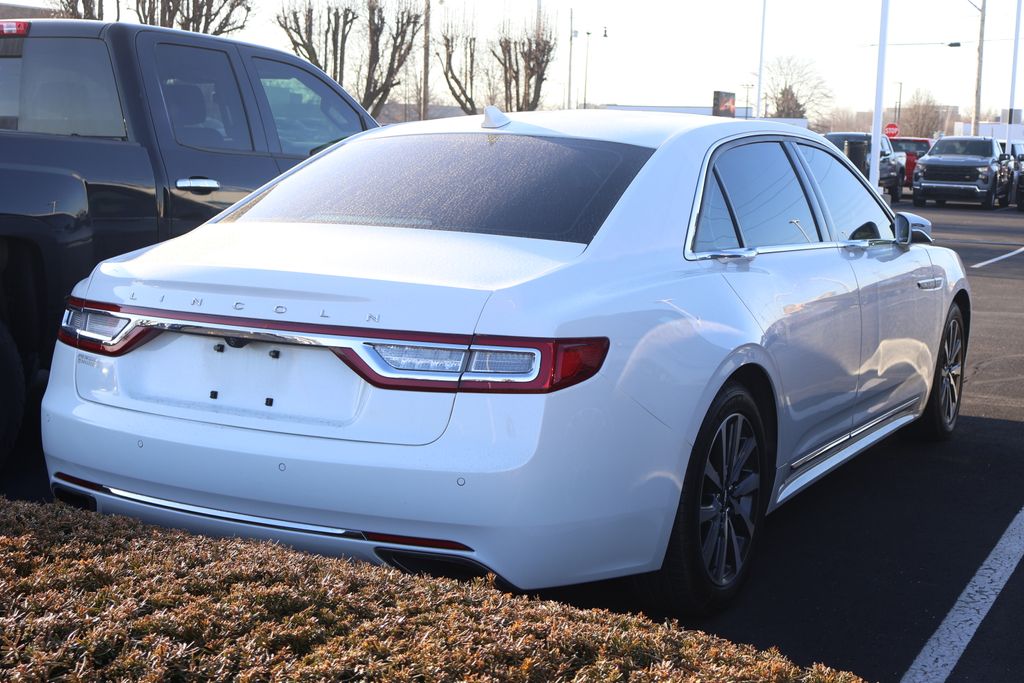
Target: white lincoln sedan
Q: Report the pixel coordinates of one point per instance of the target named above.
(558, 346)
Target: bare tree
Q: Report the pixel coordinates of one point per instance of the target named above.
(319, 35)
(388, 47)
(523, 61)
(836, 119)
(459, 63)
(79, 9)
(215, 17)
(921, 116)
(794, 85)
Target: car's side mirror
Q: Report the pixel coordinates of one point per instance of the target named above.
(911, 228)
(1004, 157)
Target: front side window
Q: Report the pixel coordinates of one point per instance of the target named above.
(307, 114)
(202, 97)
(766, 196)
(855, 213)
(60, 86)
(499, 184)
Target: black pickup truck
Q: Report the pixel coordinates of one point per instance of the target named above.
(116, 136)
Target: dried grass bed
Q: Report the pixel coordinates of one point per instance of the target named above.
(87, 597)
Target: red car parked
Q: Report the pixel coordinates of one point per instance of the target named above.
(914, 148)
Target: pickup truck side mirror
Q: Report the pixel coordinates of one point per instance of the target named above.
(911, 228)
(1004, 157)
(1020, 157)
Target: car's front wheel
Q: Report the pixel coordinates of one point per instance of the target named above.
(919, 201)
(943, 407)
(720, 510)
(896, 191)
(1004, 200)
(989, 201)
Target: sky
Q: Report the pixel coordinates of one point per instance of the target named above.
(677, 52)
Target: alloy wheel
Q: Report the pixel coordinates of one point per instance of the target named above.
(951, 371)
(729, 498)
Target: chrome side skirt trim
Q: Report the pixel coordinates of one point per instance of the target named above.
(855, 434)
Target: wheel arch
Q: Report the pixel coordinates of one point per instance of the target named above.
(22, 294)
(963, 299)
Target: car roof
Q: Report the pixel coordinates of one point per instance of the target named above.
(89, 28)
(642, 128)
(966, 137)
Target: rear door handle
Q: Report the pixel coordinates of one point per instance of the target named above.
(197, 184)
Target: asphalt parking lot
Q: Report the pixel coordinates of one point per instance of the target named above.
(861, 571)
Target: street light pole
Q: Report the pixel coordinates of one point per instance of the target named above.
(899, 102)
(572, 34)
(760, 61)
(977, 82)
(586, 71)
(876, 121)
(1013, 75)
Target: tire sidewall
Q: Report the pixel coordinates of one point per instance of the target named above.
(733, 398)
(935, 422)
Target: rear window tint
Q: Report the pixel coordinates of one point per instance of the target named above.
(61, 86)
(498, 184)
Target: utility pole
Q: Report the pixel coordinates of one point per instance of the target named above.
(425, 105)
(977, 83)
(760, 61)
(899, 102)
(747, 87)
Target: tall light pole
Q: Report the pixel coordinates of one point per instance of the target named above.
(977, 82)
(586, 71)
(572, 35)
(899, 102)
(760, 62)
(1013, 75)
(876, 120)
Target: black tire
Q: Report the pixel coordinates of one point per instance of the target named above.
(12, 393)
(989, 202)
(1020, 203)
(1004, 201)
(940, 202)
(720, 522)
(919, 202)
(943, 408)
(896, 191)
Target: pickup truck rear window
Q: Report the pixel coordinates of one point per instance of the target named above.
(61, 86)
(499, 184)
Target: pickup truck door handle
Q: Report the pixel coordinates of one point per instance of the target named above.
(200, 184)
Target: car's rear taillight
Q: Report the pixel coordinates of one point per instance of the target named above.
(14, 29)
(387, 359)
(100, 331)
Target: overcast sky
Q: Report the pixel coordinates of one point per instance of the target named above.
(677, 52)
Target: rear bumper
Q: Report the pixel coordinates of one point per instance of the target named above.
(545, 490)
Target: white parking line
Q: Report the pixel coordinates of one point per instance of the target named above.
(998, 258)
(941, 653)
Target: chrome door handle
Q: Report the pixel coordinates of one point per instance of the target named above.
(207, 184)
(728, 254)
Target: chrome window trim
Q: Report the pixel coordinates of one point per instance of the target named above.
(362, 346)
(733, 140)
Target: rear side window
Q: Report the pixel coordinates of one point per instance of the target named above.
(715, 228)
(61, 86)
(307, 114)
(202, 98)
(766, 196)
(498, 184)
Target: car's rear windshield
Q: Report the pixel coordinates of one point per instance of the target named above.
(919, 147)
(973, 148)
(499, 184)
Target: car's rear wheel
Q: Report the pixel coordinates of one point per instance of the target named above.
(919, 202)
(943, 409)
(12, 392)
(720, 511)
(1004, 200)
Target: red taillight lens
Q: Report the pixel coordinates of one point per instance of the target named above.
(14, 29)
(561, 363)
(100, 331)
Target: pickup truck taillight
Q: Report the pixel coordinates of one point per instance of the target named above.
(14, 29)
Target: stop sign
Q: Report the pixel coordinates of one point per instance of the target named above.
(891, 130)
